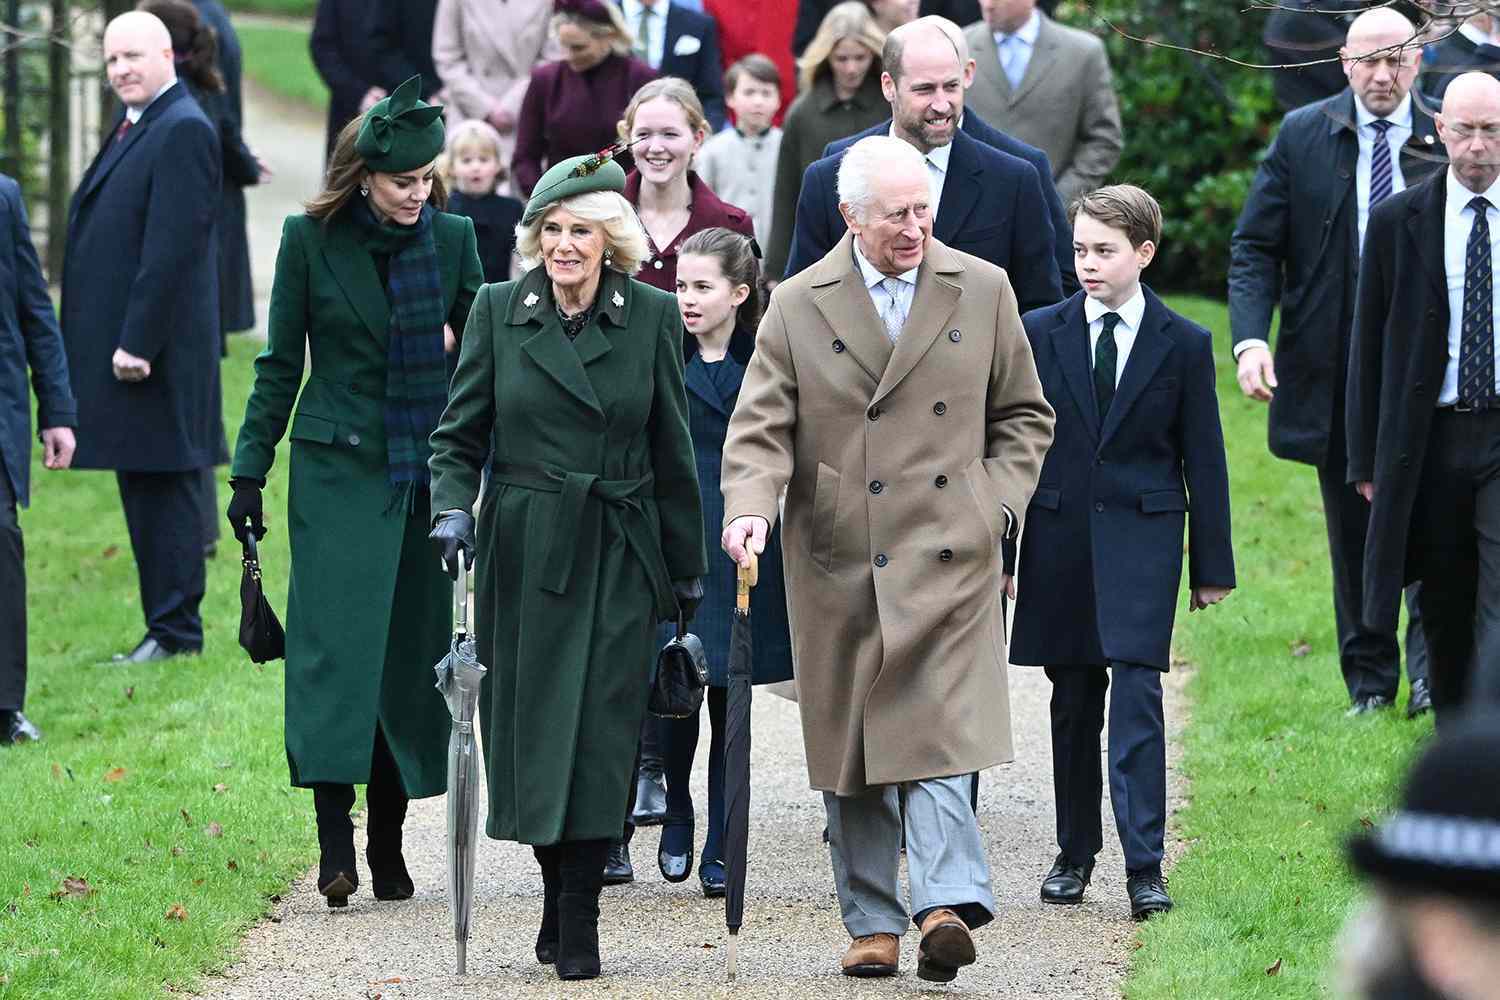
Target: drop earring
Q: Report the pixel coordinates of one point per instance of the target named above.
(364, 192)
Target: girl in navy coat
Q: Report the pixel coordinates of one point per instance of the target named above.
(718, 294)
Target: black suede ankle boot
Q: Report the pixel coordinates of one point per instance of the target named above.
(337, 876)
(547, 936)
(581, 871)
(386, 801)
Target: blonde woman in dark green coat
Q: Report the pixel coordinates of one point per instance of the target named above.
(590, 531)
(370, 281)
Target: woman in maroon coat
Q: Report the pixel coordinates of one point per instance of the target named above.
(665, 127)
(573, 106)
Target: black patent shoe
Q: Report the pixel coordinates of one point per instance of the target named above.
(1368, 705)
(16, 728)
(1066, 881)
(675, 867)
(711, 877)
(617, 867)
(148, 650)
(1148, 894)
(1419, 701)
(650, 800)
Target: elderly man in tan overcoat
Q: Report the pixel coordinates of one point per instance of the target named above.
(894, 397)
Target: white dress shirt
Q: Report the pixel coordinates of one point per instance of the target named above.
(1395, 138)
(937, 169)
(656, 46)
(875, 281)
(1015, 48)
(1131, 314)
(133, 115)
(1458, 219)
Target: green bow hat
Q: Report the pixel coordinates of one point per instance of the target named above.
(402, 132)
(575, 175)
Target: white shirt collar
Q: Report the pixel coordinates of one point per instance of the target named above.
(939, 155)
(133, 115)
(873, 275)
(1400, 117)
(1473, 34)
(1027, 32)
(1131, 312)
(1458, 196)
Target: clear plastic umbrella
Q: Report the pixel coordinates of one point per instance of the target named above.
(458, 677)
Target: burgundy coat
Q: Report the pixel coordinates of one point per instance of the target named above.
(706, 212)
(566, 113)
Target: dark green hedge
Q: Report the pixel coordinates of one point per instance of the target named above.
(1195, 126)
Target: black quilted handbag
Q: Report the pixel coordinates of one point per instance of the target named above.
(260, 633)
(681, 676)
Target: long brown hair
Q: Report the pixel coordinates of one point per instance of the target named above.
(195, 45)
(739, 261)
(346, 172)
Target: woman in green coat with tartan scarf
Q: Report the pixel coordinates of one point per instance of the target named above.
(590, 530)
(369, 281)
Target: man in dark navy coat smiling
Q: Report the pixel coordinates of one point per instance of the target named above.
(140, 321)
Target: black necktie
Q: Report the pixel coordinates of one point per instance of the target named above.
(1105, 359)
(1476, 341)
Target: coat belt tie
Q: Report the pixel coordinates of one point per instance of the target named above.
(623, 496)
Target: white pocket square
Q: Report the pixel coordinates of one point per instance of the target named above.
(686, 45)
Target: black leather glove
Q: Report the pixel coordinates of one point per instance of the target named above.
(689, 594)
(452, 533)
(246, 506)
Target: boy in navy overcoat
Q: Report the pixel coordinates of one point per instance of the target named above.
(1138, 454)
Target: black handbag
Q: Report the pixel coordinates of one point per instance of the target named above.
(681, 676)
(260, 633)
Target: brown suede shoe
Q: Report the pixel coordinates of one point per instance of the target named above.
(946, 947)
(872, 955)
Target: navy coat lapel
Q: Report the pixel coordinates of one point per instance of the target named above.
(962, 187)
(1425, 220)
(1070, 340)
(1152, 345)
(700, 385)
(113, 152)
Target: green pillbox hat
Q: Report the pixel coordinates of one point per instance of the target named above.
(575, 175)
(402, 132)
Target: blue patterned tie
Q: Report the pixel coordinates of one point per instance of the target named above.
(1380, 163)
(1476, 342)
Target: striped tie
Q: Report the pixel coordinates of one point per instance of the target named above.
(1380, 163)
(1476, 343)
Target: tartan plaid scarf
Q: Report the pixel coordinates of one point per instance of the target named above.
(416, 373)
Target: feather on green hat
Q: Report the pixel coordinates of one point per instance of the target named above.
(402, 132)
(576, 175)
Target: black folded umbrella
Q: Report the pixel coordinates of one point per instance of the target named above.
(737, 764)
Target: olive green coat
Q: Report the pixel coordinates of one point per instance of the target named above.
(591, 509)
(369, 609)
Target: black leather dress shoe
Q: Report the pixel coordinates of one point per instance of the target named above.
(1066, 881)
(1419, 702)
(617, 867)
(16, 728)
(1367, 704)
(711, 877)
(1148, 894)
(149, 651)
(650, 799)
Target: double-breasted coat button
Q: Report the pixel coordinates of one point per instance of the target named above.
(1099, 508)
(955, 336)
(881, 560)
(940, 408)
(838, 347)
(946, 555)
(354, 440)
(940, 482)
(874, 413)
(876, 486)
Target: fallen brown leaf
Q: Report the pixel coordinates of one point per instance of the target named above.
(74, 887)
(176, 851)
(110, 551)
(177, 912)
(114, 774)
(186, 817)
(130, 693)
(57, 772)
(1274, 969)
(221, 788)
(1301, 647)
(1367, 822)
(234, 865)
(214, 830)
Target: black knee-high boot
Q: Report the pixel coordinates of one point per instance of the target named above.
(386, 800)
(581, 874)
(337, 877)
(547, 937)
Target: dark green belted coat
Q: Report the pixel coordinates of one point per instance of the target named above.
(591, 510)
(369, 609)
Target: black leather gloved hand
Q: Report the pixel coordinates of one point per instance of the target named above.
(689, 594)
(452, 533)
(246, 505)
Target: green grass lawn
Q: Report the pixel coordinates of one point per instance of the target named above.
(277, 58)
(161, 789)
(285, 8)
(1278, 777)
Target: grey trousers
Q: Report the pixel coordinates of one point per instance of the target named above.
(944, 858)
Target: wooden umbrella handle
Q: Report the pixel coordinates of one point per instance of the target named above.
(747, 579)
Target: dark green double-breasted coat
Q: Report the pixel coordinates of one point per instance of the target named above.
(591, 509)
(369, 609)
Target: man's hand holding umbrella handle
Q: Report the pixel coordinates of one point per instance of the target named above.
(58, 445)
(452, 533)
(744, 535)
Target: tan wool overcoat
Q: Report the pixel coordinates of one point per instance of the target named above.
(898, 464)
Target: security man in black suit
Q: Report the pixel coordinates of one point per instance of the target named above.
(140, 321)
(1424, 401)
(28, 338)
(1297, 243)
(344, 55)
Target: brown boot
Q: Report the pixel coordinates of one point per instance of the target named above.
(946, 947)
(872, 955)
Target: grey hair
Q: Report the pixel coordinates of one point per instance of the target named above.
(624, 239)
(866, 160)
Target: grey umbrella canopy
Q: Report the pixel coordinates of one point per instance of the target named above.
(737, 764)
(458, 677)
